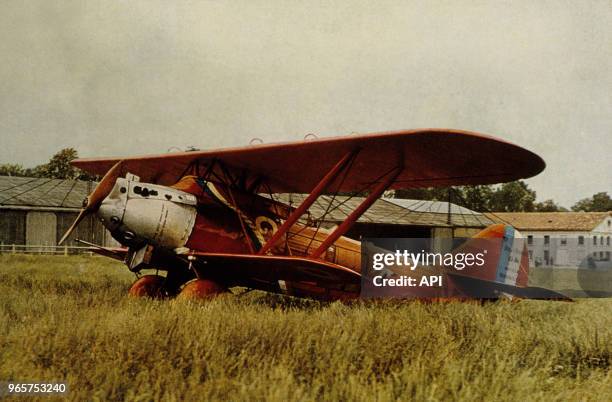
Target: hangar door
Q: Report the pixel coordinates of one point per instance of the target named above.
(12, 227)
(40, 229)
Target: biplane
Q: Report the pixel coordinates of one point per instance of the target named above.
(210, 220)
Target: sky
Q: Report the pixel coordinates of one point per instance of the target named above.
(115, 78)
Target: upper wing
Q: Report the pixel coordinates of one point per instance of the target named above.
(427, 158)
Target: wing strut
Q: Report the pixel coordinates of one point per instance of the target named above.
(352, 218)
(308, 201)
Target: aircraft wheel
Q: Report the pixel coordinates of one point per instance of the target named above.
(151, 286)
(202, 289)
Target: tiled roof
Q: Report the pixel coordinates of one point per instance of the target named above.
(35, 192)
(554, 221)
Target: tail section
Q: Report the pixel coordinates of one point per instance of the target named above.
(491, 265)
(506, 257)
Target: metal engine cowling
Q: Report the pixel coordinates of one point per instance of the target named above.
(137, 213)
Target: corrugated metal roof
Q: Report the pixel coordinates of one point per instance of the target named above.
(437, 207)
(391, 211)
(553, 221)
(36, 192)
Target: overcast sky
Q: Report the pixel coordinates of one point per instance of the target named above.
(131, 77)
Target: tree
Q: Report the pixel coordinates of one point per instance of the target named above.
(599, 202)
(549, 206)
(432, 194)
(58, 167)
(476, 198)
(515, 196)
(17, 170)
(9, 169)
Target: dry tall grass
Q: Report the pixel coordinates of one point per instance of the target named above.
(68, 319)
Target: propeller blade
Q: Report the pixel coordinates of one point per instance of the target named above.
(103, 188)
(78, 220)
(93, 200)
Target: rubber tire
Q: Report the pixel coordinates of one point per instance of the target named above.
(202, 289)
(151, 286)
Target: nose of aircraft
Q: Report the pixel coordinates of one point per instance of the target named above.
(112, 209)
(136, 213)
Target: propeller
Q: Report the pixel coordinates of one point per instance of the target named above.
(93, 200)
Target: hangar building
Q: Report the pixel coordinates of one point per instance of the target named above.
(37, 212)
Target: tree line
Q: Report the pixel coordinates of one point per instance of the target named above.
(514, 196)
(58, 167)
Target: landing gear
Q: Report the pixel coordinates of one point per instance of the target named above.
(151, 286)
(176, 284)
(202, 289)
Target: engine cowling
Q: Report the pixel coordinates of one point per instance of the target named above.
(142, 213)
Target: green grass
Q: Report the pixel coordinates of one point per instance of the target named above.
(69, 319)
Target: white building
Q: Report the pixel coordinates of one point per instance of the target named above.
(569, 239)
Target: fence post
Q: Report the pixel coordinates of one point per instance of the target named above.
(13, 249)
(65, 249)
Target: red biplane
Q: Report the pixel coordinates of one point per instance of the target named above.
(210, 219)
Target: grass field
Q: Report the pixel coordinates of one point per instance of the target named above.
(69, 319)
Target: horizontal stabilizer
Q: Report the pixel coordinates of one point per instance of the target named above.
(482, 289)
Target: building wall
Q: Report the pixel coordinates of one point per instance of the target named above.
(442, 240)
(41, 228)
(465, 232)
(46, 227)
(565, 248)
(90, 229)
(601, 241)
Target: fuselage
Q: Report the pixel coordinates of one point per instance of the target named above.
(210, 217)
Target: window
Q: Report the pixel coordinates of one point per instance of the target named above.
(594, 240)
(563, 240)
(608, 241)
(581, 240)
(607, 256)
(546, 239)
(601, 255)
(530, 255)
(601, 240)
(530, 239)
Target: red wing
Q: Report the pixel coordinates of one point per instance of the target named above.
(265, 272)
(429, 157)
(306, 277)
